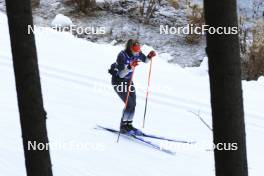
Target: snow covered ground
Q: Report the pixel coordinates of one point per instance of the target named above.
(78, 95)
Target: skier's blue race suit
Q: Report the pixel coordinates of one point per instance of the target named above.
(122, 78)
(123, 61)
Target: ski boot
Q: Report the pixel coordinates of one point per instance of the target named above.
(128, 128)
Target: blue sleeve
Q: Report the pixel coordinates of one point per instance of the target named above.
(120, 61)
(143, 57)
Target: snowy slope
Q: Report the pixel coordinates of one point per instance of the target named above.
(78, 95)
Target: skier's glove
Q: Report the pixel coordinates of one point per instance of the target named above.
(133, 64)
(151, 54)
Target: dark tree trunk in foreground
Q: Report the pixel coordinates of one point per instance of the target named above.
(226, 91)
(32, 113)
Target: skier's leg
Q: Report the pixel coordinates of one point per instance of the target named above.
(131, 109)
(132, 103)
(128, 113)
(122, 93)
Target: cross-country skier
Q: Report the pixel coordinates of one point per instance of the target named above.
(121, 72)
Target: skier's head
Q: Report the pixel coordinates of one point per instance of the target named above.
(133, 46)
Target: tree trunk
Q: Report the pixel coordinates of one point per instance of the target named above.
(226, 91)
(30, 103)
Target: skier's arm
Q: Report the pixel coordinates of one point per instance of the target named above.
(147, 58)
(143, 57)
(123, 69)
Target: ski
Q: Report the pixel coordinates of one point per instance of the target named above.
(152, 144)
(140, 139)
(166, 139)
(153, 136)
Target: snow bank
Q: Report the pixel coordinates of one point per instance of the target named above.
(61, 21)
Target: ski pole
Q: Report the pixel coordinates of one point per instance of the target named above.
(147, 93)
(126, 102)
